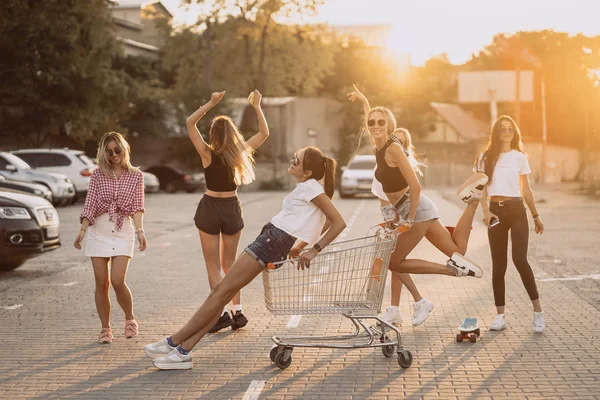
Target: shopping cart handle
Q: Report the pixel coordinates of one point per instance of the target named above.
(401, 228)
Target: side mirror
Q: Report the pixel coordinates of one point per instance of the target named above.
(10, 167)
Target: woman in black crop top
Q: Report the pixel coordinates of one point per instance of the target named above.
(414, 210)
(228, 162)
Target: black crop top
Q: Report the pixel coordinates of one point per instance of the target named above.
(391, 178)
(218, 175)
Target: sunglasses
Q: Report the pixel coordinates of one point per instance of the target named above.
(372, 122)
(295, 160)
(117, 151)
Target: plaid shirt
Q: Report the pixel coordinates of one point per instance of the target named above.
(121, 197)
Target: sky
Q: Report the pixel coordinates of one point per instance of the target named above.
(425, 28)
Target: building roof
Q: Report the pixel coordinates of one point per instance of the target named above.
(464, 123)
(118, 4)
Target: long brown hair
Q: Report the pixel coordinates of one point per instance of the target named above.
(321, 167)
(490, 155)
(225, 139)
(102, 155)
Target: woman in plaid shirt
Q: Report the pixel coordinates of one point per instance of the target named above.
(114, 204)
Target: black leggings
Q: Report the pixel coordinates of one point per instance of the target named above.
(513, 217)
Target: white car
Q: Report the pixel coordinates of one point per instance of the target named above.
(151, 183)
(358, 176)
(73, 163)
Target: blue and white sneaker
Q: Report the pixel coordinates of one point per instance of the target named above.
(158, 349)
(174, 360)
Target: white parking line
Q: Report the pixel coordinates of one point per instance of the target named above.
(254, 390)
(294, 321)
(13, 307)
(573, 278)
(70, 284)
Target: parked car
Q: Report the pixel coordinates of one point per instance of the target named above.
(357, 176)
(173, 179)
(12, 167)
(72, 163)
(29, 226)
(151, 183)
(26, 187)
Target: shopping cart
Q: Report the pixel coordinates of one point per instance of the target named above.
(349, 278)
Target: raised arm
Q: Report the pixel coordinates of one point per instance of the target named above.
(263, 129)
(191, 121)
(357, 95)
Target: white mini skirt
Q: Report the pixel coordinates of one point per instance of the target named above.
(103, 239)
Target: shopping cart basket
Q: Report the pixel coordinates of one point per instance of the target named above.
(349, 278)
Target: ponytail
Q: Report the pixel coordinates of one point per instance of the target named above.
(322, 167)
(329, 183)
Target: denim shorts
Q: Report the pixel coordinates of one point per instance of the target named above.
(272, 245)
(426, 211)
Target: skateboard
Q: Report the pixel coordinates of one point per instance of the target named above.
(469, 329)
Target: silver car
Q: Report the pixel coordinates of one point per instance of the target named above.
(12, 167)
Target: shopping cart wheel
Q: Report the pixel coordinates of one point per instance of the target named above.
(405, 358)
(388, 350)
(281, 361)
(273, 353)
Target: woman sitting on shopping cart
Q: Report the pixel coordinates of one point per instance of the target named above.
(414, 210)
(307, 212)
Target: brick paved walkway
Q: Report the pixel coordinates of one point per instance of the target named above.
(48, 346)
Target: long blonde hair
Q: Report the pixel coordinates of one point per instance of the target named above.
(102, 156)
(409, 150)
(226, 140)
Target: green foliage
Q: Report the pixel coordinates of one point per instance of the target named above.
(56, 68)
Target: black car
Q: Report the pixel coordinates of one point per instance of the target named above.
(27, 187)
(29, 226)
(173, 179)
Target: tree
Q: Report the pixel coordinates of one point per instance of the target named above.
(56, 68)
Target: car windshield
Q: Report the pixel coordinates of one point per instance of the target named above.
(362, 165)
(16, 161)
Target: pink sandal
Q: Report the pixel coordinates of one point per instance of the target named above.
(106, 336)
(131, 328)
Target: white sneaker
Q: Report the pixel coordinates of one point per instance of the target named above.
(158, 349)
(392, 315)
(472, 188)
(463, 266)
(421, 310)
(538, 322)
(499, 323)
(174, 360)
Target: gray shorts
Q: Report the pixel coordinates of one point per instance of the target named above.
(426, 211)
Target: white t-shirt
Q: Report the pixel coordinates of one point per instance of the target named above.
(506, 178)
(300, 217)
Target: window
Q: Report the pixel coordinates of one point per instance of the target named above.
(363, 165)
(85, 159)
(37, 160)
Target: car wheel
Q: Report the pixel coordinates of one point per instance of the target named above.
(170, 188)
(190, 190)
(9, 266)
(344, 195)
(75, 199)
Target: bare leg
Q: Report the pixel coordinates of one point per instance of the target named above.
(100, 265)
(118, 273)
(415, 266)
(210, 249)
(243, 271)
(406, 280)
(537, 306)
(448, 244)
(229, 249)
